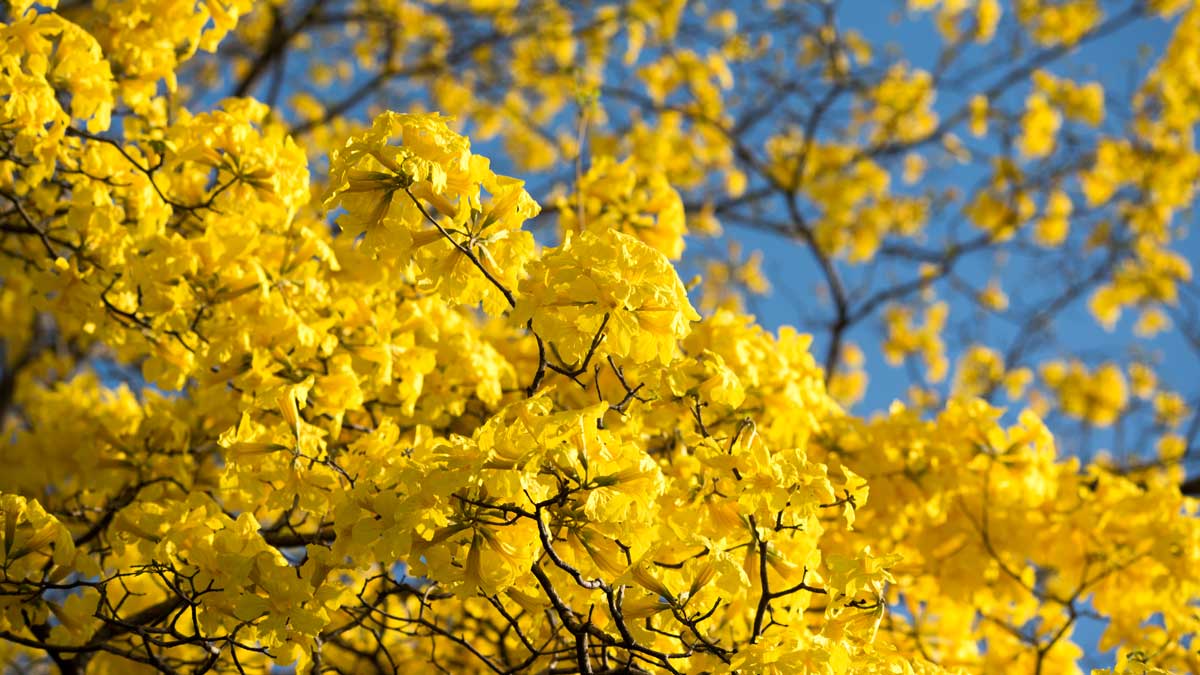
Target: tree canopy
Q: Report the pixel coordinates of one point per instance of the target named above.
(296, 376)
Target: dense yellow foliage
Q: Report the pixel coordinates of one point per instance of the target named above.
(377, 425)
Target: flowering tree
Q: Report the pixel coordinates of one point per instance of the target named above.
(293, 377)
